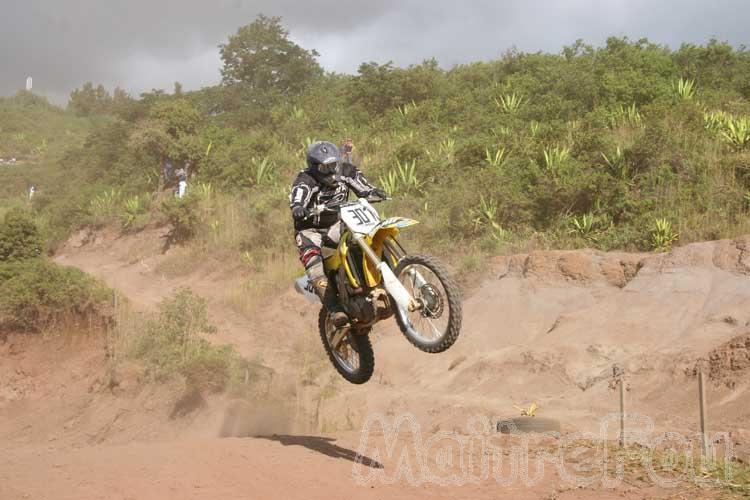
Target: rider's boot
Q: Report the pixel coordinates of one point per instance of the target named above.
(327, 295)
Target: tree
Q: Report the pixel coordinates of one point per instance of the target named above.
(90, 100)
(261, 57)
(380, 87)
(125, 107)
(169, 131)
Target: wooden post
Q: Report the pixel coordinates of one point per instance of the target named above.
(622, 412)
(618, 383)
(702, 404)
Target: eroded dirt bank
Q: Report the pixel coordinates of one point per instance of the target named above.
(544, 327)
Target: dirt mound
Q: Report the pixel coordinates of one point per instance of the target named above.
(730, 362)
(584, 266)
(548, 328)
(61, 391)
(545, 328)
(619, 268)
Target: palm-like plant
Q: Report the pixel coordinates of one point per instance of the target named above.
(534, 127)
(402, 179)
(555, 158)
(104, 205)
(583, 226)
(297, 113)
(509, 103)
(132, 208)
(41, 148)
(485, 216)
(446, 148)
(485, 213)
(617, 164)
(501, 131)
(389, 182)
(407, 175)
(662, 235)
(406, 108)
(497, 158)
(405, 136)
(737, 132)
(205, 191)
(625, 116)
(263, 170)
(716, 121)
(684, 88)
(488, 208)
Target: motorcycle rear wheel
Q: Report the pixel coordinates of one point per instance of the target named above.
(354, 358)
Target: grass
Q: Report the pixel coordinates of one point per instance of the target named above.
(518, 137)
(639, 466)
(270, 275)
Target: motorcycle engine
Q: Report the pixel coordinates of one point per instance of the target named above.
(370, 308)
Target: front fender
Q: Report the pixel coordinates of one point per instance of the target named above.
(393, 223)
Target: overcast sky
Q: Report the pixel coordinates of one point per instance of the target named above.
(145, 44)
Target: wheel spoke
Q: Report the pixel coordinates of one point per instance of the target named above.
(438, 333)
(353, 357)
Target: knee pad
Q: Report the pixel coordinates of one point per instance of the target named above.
(310, 256)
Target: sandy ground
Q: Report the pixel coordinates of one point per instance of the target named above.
(544, 327)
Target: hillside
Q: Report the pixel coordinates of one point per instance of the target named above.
(37, 135)
(544, 326)
(631, 146)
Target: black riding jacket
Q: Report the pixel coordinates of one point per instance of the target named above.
(312, 188)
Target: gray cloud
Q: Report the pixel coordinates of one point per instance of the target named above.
(142, 44)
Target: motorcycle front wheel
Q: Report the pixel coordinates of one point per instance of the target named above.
(435, 326)
(353, 358)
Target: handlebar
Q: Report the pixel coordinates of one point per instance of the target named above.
(317, 210)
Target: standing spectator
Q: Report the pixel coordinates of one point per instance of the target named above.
(181, 175)
(347, 148)
(32, 190)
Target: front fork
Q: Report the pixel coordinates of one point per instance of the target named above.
(397, 290)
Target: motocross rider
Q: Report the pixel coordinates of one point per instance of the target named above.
(326, 181)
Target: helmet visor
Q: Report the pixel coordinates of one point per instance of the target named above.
(327, 168)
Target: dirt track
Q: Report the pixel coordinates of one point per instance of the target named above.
(545, 327)
(304, 467)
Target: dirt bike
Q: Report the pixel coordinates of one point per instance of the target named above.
(375, 278)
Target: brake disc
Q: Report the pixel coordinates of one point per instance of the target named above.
(432, 300)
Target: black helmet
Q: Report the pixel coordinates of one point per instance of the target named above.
(323, 156)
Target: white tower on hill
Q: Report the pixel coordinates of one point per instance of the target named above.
(28, 83)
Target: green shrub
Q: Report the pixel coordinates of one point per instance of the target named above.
(38, 295)
(19, 237)
(183, 215)
(173, 343)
